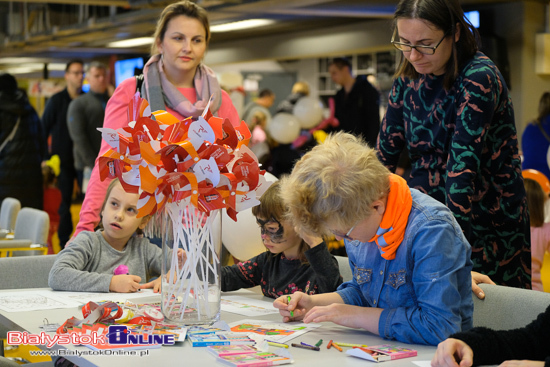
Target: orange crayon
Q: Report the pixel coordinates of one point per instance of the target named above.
(337, 346)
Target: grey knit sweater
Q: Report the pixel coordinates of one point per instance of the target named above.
(87, 264)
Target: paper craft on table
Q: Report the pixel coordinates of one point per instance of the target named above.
(85, 297)
(246, 306)
(33, 301)
(273, 331)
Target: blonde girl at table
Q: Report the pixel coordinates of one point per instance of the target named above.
(175, 79)
(410, 260)
(90, 261)
(290, 264)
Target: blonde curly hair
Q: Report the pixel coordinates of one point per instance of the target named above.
(336, 181)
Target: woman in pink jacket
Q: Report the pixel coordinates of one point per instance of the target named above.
(174, 80)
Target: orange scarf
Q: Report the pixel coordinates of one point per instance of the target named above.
(391, 232)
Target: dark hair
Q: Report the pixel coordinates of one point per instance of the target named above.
(444, 15)
(544, 107)
(186, 8)
(535, 201)
(73, 61)
(8, 83)
(271, 207)
(266, 93)
(341, 62)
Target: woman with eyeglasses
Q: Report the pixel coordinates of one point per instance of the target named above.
(174, 79)
(410, 260)
(450, 107)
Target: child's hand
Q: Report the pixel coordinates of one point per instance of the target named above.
(311, 240)
(125, 283)
(155, 284)
(182, 257)
(296, 308)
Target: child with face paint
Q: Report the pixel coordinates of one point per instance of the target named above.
(291, 263)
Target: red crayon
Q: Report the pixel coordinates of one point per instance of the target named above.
(329, 344)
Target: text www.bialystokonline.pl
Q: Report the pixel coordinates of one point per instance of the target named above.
(81, 353)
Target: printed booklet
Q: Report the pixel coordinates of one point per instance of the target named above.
(258, 359)
(381, 353)
(220, 338)
(229, 350)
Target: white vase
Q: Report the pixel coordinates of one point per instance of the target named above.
(191, 287)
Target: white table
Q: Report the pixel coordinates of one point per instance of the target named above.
(183, 354)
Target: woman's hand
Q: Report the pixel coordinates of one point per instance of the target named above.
(125, 283)
(298, 306)
(453, 353)
(478, 278)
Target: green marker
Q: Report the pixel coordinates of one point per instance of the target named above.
(291, 312)
(318, 344)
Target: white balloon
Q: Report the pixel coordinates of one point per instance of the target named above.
(309, 112)
(284, 128)
(243, 238)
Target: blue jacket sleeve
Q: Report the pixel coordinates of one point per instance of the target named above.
(442, 292)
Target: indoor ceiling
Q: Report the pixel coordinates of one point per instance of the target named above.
(55, 31)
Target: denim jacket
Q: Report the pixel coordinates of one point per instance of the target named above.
(426, 290)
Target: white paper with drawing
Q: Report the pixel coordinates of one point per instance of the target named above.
(33, 301)
(246, 306)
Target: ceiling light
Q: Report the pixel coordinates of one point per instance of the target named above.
(30, 68)
(57, 66)
(243, 24)
(18, 60)
(134, 42)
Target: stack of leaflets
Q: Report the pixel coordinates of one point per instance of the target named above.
(217, 334)
(381, 353)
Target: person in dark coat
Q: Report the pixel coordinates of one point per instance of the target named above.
(54, 122)
(22, 146)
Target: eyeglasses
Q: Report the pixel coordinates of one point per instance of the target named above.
(405, 47)
(345, 236)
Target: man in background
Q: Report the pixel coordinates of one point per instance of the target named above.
(54, 121)
(357, 102)
(85, 115)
